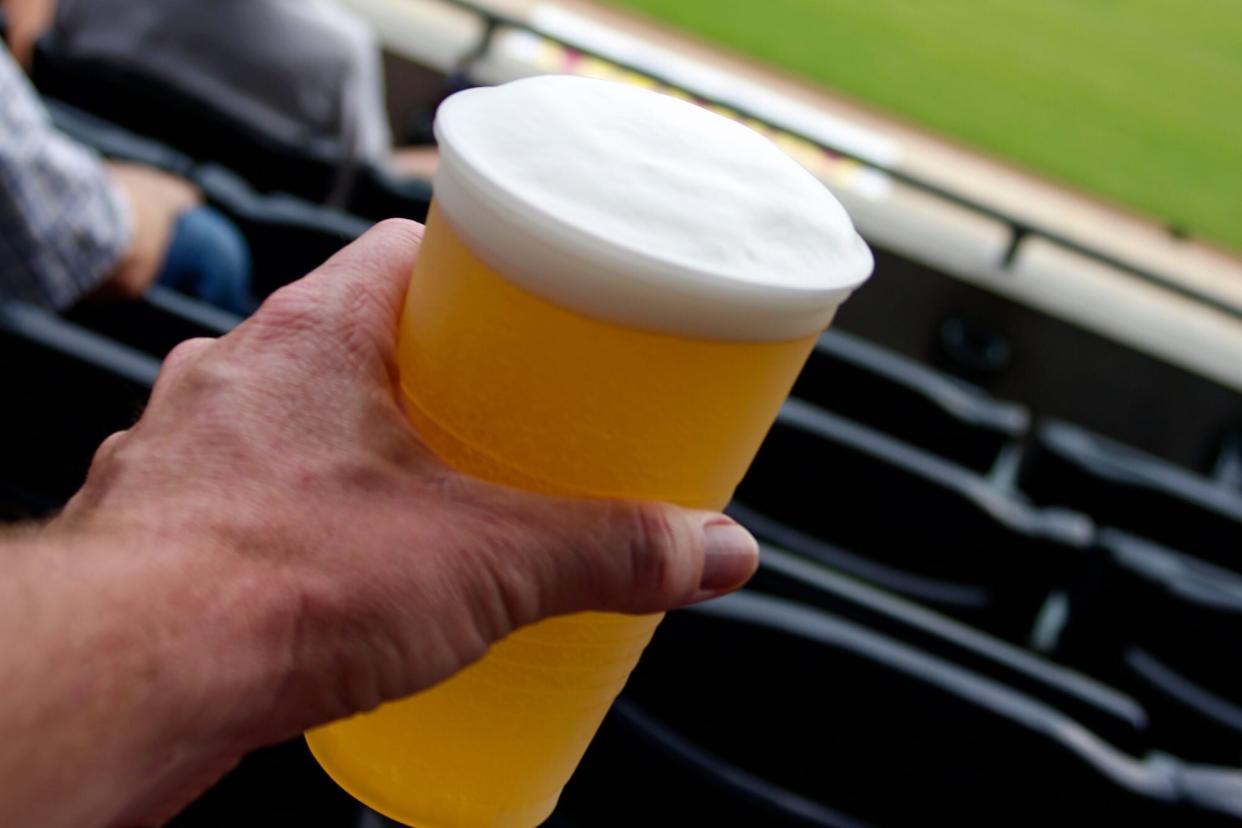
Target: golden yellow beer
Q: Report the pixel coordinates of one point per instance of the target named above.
(507, 386)
(513, 387)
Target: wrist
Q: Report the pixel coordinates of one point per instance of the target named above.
(206, 625)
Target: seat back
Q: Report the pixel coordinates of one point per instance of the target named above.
(1126, 488)
(66, 389)
(913, 402)
(1167, 629)
(288, 236)
(156, 323)
(879, 509)
(307, 166)
(875, 729)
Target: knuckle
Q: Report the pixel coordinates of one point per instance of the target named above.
(181, 357)
(109, 448)
(399, 226)
(290, 310)
(187, 349)
(507, 585)
(653, 553)
(368, 297)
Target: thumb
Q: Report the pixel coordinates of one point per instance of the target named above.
(553, 556)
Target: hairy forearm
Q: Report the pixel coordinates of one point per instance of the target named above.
(122, 668)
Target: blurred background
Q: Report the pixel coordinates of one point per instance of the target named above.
(1026, 604)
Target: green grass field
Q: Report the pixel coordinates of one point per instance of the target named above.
(1139, 101)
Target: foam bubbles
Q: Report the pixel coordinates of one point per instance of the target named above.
(638, 208)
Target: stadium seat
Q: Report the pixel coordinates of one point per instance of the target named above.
(116, 142)
(134, 103)
(276, 786)
(1166, 628)
(378, 194)
(302, 166)
(866, 504)
(1106, 712)
(66, 389)
(872, 731)
(1227, 467)
(288, 237)
(1123, 487)
(154, 324)
(672, 781)
(910, 401)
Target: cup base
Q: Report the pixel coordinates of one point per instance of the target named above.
(493, 746)
(531, 814)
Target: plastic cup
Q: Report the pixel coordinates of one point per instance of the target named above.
(553, 341)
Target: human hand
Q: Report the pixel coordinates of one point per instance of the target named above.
(156, 200)
(308, 558)
(28, 20)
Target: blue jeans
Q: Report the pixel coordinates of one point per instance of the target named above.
(209, 260)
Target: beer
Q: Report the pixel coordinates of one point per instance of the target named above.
(595, 359)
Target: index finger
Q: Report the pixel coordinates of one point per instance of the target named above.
(355, 297)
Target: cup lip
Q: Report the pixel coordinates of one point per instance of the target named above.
(745, 309)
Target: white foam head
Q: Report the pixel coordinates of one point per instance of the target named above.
(645, 210)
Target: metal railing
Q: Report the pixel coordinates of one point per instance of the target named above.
(1019, 229)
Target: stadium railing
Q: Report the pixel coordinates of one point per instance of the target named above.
(1019, 229)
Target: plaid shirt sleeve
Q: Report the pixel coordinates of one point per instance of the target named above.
(63, 228)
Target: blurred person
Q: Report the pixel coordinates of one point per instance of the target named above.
(272, 548)
(297, 69)
(71, 225)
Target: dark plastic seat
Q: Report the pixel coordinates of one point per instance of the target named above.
(910, 401)
(378, 194)
(288, 236)
(277, 786)
(1108, 713)
(117, 142)
(880, 732)
(642, 771)
(1123, 487)
(1167, 628)
(66, 389)
(876, 508)
(156, 323)
(306, 166)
